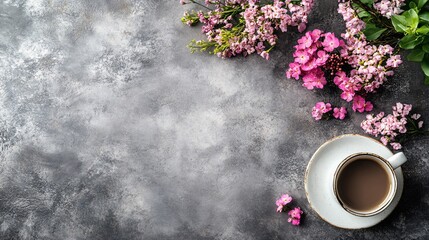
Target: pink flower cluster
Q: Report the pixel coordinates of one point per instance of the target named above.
(314, 55)
(294, 214)
(261, 22)
(371, 64)
(393, 126)
(325, 110)
(243, 27)
(284, 200)
(354, 65)
(311, 54)
(388, 8)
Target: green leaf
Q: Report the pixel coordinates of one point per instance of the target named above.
(368, 2)
(372, 32)
(410, 41)
(423, 30)
(425, 48)
(400, 19)
(421, 3)
(399, 22)
(412, 5)
(416, 55)
(363, 14)
(412, 19)
(426, 80)
(425, 65)
(424, 16)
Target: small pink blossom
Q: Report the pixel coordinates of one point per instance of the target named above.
(315, 34)
(340, 77)
(283, 201)
(294, 71)
(304, 42)
(320, 109)
(340, 113)
(347, 95)
(301, 27)
(384, 140)
(285, 198)
(280, 205)
(388, 8)
(265, 55)
(396, 146)
(330, 42)
(394, 61)
(301, 56)
(322, 57)
(295, 216)
(415, 116)
(314, 79)
(360, 105)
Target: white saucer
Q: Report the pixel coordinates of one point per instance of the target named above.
(319, 178)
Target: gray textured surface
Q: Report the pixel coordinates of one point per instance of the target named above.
(111, 129)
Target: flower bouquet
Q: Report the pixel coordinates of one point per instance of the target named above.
(403, 24)
(243, 27)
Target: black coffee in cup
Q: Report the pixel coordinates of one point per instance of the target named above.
(363, 185)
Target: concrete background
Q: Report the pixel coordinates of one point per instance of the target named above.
(111, 129)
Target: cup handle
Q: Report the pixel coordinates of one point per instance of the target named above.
(397, 160)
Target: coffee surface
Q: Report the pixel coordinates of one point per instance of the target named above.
(363, 185)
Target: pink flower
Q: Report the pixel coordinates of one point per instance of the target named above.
(280, 205)
(294, 71)
(415, 116)
(309, 65)
(360, 105)
(340, 113)
(314, 79)
(420, 124)
(315, 34)
(388, 8)
(279, 202)
(394, 61)
(322, 56)
(384, 140)
(301, 27)
(265, 55)
(368, 106)
(283, 201)
(304, 42)
(395, 145)
(301, 56)
(340, 78)
(347, 95)
(294, 222)
(330, 42)
(285, 198)
(295, 216)
(319, 109)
